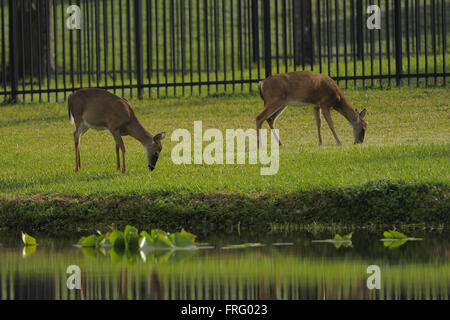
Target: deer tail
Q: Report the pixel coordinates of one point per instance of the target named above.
(70, 112)
(260, 87)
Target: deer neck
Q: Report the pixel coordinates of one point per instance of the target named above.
(345, 108)
(137, 131)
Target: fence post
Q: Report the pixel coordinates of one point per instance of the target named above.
(267, 39)
(398, 41)
(139, 46)
(255, 30)
(13, 52)
(359, 28)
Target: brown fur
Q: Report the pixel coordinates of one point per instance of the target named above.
(305, 87)
(100, 109)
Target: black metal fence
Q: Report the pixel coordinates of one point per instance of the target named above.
(194, 47)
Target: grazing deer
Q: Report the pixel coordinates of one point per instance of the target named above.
(99, 109)
(302, 88)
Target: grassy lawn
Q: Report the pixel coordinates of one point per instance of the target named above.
(407, 139)
(398, 176)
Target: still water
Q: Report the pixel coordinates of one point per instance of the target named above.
(287, 266)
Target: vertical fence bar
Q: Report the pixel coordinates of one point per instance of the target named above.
(149, 46)
(79, 54)
(138, 47)
(122, 77)
(345, 43)
(13, 50)
(224, 50)
(359, 28)
(319, 35)
(240, 49)
(113, 49)
(191, 52)
(398, 41)
(425, 33)
(105, 40)
(388, 40)
(233, 75)
(97, 44)
(22, 38)
(40, 48)
(157, 47)
(206, 27)
(55, 19)
(407, 22)
(248, 45)
(444, 41)
(433, 30)
(277, 42)
(336, 26)
(172, 45)
(3, 46)
(285, 44)
(129, 55)
(182, 29)
(199, 61)
(255, 28)
(165, 46)
(47, 45)
(328, 36)
(267, 39)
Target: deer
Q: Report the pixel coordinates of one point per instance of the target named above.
(300, 88)
(98, 109)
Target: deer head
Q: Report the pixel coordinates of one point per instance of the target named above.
(360, 126)
(153, 149)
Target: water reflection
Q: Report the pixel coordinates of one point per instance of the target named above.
(304, 271)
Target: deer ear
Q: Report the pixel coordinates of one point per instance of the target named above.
(159, 136)
(363, 113)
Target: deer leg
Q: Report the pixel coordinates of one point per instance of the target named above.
(118, 156)
(318, 122)
(76, 139)
(121, 145)
(327, 116)
(271, 122)
(263, 116)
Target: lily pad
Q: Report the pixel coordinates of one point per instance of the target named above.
(28, 251)
(131, 236)
(283, 244)
(242, 246)
(392, 234)
(394, 244)
(28, 240)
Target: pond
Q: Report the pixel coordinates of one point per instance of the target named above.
(284, 266)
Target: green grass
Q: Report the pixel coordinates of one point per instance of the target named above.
(399, 175)
(407, 139)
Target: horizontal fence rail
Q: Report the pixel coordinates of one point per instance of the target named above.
(156, 48)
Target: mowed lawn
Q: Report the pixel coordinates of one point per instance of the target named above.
(408, 138)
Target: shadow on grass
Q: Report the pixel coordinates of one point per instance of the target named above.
(11, 186)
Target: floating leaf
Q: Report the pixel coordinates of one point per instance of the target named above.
(346, 237)
(242, 246)
(91, 241)
(117, 240)
(28, 251)
(183, 240)
(28, 240)
(131, 238)
(392, 234)
(394, 244)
